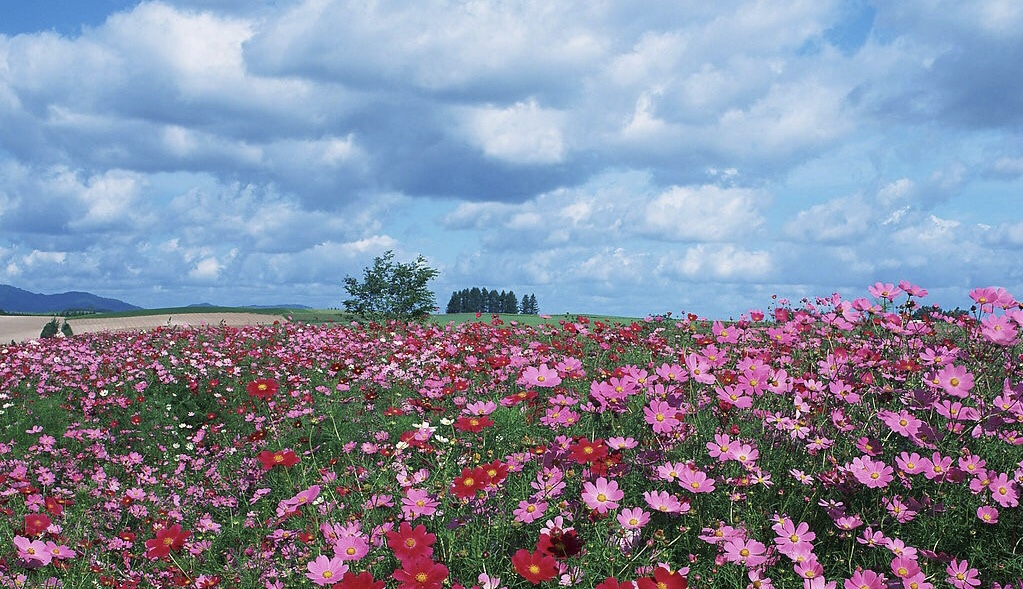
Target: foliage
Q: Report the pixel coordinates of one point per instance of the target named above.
(528, 305)
(841, 440)
(51, 329)
(392, 290)
(480, 300)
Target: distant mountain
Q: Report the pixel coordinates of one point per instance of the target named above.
(254, 306)
(16, 300)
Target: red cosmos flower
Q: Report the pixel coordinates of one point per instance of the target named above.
(262, 388)
(167, 539)
(535, 567)
(473, 424)
(363, 580)
(495, 472)
(663, 579)
(584, 450)
(54, 506)
(36, 524)
(410, 543)
(469, 482)
(421, 573)
(559, 543)
(279, 458)
(518, 397)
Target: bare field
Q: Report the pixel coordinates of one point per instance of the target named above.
(21, 328)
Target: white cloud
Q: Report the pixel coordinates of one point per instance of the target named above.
(523, 133)
(839, 220)
(41, 258)
(206, 269)
(720, 262)
(704, 213)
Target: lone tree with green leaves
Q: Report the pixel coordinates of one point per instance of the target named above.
(392, 290)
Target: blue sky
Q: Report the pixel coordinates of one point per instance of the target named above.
(610, 157)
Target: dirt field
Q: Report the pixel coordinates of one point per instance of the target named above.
(20, 329)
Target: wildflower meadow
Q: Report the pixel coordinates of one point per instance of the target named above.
(868, 443)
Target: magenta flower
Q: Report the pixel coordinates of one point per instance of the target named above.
(418, 502)
(905, 567)
(961, 576)
(987, 514)
(809, 569)
(633, 518)
(874, 474)
(750, 553)
(663, 501)
(602, 495)
(326, 571)
(541, 376)
(793, 538)
(351, 547)
(886, 291)
(661, 416)
(695, 481)
(910, 463)
(936, 467)
(1003, 490)
(867, 579)
(32, 553)
(954, 380)
(530, 511)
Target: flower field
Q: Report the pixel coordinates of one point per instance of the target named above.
(869, 443)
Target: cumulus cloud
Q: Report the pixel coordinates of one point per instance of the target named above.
(704, 213)
(523, 133)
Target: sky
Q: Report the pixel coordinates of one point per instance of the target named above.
(626, 157)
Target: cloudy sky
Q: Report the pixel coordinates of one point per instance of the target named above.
(621, 157)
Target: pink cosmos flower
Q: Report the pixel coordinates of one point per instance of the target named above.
(917, 581)
(809, 569)
(867, 579)
(936, 467)
(695, 481)
(961, 576)
(59, 551)
(669, 471)
(905, 567)
(530, 511)
(661, 416)
(987, 514)
(886, 291)
(793, 538)
(903, 423)
(699, 369)
(633, 518)
(722, 445)
(989, 297)
(541, 376)
(954, 380)
(910, 463)
(663, 501)
(351, 547)
(999, 330)
(418, 502)
(750, 553)
(602, 495)
(32, 553)
(873, 474)
(1003, 490)
(902, 512)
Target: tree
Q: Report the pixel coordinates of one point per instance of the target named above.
(392, 290)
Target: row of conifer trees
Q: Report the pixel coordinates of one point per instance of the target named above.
(481, 300)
